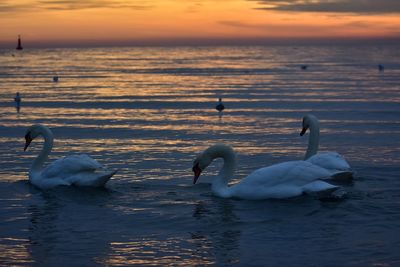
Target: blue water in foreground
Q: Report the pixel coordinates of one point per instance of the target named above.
(149, 111)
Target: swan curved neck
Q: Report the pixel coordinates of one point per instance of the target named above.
(37, 164)
(220, 183)
(313, 140)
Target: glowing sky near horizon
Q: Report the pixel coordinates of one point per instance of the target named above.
(75, 21)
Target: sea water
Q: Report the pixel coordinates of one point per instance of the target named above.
(147, 112)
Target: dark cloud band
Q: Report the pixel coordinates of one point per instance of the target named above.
(78, 4)
(333, 6)
(9, 7)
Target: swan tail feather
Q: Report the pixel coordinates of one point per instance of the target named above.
(319, 186)
(102, 180)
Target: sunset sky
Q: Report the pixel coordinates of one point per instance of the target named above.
(158, 22)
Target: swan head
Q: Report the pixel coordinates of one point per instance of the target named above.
(200, 163)
(307, 121)
(31, 133)
(207, 156)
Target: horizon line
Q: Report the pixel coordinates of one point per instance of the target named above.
(203, 42)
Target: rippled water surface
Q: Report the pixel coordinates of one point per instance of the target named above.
(148, 111)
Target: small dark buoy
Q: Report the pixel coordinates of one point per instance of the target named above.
(304, 67)
(19, 46)
(55, 79)
(381, 67)
(220, 107)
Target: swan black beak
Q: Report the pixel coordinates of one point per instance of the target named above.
(28, 140)
(197, 171)
(303, 131)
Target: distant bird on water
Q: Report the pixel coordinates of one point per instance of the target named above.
(220, 107)
(17, 100)
(381, 67)
(304, 67)
(55, 79)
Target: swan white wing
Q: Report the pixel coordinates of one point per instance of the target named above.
(288, 179)
(292, 172)
(71, 165)
(330, 160)
(79, 170)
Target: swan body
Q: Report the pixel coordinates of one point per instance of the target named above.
(78, 170)
(331, 161)
(284, 180)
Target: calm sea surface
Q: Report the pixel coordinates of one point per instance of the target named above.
(149, 111)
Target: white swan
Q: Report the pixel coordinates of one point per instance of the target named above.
(284, 180)
(331, 161)
(79, 170)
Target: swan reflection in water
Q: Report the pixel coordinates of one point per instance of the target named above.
(43, 234)
(218, 234)
(55, 230)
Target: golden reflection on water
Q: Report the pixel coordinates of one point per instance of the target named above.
(152, 252)
(14, 250)
(148, 119)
